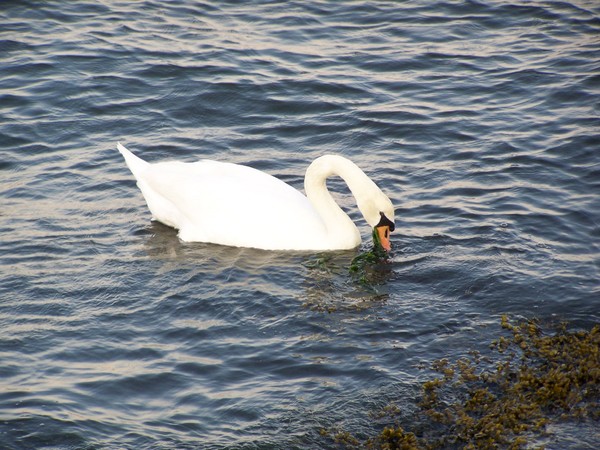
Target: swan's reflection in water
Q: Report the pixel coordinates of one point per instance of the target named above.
(162, 243)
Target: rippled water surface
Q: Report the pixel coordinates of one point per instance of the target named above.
(480, 119)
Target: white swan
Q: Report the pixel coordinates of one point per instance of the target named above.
(230, 204)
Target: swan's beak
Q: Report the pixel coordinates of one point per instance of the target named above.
(383, 228)
(384, 237)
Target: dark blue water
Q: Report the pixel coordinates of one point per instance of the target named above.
(480, 119)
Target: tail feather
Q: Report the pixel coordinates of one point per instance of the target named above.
(134, 163)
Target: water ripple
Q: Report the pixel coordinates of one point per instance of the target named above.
(479, 119)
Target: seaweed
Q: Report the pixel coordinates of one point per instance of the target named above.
(363, 267)
(506, 400)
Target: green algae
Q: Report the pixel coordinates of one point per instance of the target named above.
(505, 400)
(359, 285)
(363, 266)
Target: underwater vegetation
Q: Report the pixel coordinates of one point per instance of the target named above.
(502, 401)
(364, 267)
(363, 280)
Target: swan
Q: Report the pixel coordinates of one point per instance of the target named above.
(236, 205)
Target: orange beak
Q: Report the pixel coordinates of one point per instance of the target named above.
(384, 237)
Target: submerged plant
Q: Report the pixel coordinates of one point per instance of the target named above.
(369, 271)
(504, 401)
(363, 266)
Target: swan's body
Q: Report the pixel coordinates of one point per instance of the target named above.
(236, 205)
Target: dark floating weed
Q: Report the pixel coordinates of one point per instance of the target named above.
(368, 272)
(506, 400)
(364, 266)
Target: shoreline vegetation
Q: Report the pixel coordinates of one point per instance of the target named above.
(507, 399)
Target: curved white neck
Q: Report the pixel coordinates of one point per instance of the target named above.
(340, 227)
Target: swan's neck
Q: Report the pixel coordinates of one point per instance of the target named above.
(340, 227)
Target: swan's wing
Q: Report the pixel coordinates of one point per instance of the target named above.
(230, 204)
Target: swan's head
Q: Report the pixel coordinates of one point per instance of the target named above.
(378, 211)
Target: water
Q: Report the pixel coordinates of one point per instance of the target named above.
(479, 119)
